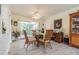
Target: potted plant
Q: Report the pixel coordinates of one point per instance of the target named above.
(16, 34)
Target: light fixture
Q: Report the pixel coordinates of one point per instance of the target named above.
(36, 15)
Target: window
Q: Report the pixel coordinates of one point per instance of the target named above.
(28, 26)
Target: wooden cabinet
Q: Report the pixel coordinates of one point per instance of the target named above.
(74, 29)
(58, 37)
(75, 40)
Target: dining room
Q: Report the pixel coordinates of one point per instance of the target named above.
(40, 29)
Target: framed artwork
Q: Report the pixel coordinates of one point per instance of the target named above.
(3, 28)
(57, 24)
(42, 29)
(15, 23)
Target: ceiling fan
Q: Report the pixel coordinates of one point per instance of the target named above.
(36, 15)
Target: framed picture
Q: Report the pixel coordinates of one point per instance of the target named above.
(42, 29)
(15, 23)
(3, 28)
(57, 24)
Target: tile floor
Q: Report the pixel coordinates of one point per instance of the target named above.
(17, 48)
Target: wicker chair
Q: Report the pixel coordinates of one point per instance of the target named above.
(28, 41)
(47, 40)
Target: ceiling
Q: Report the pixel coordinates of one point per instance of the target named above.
(44, 10)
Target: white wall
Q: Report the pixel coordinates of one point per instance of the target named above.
(65, 19)
(0, 22)
(6, 38)
(26, 19)
(0, 26)
(6, 17)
